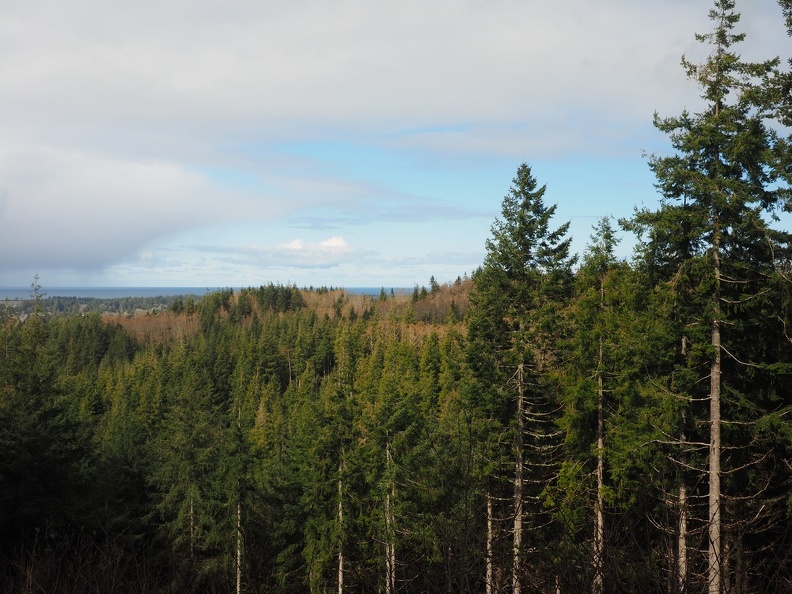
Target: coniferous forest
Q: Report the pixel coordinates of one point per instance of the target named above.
(553, 423)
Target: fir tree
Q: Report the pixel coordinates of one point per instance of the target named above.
(514, 326)
(711, 245)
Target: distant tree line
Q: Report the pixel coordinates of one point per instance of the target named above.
(52, 305)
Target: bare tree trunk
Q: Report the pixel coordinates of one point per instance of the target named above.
(599, 518)
(340, 527)
(490, 586)
(390, 552)
(192, 530)
(714, 525)
(682, 561)
(682, 527)
(519, 483)
(390, 529)
(239, 547)
(239, 519)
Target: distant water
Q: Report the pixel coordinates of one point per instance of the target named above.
(13, 293)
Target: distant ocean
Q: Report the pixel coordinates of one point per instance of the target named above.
(15, 293)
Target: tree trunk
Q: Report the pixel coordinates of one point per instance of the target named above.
(239, 519)
(390, 530)
(490, 585)
(239, 547)
(519, 483)
(340, 528)
(599, 518)
(682, 525)
(714, 524)
(682, 562)
(192, 530)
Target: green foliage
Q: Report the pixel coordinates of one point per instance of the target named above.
(279, 298)
(44, 443)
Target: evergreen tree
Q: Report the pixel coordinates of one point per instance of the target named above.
(43, 443)
(188, 453)
(711, 246)
(595, 373)
(514, 327)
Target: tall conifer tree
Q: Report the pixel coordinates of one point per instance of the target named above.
(710, 241)
(514, 326)
(598, 362)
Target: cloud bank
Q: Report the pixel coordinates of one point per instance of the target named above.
(132, 129)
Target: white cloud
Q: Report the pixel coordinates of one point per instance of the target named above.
(334, 244)
(301, 254)
(295, 244)
(296, 253)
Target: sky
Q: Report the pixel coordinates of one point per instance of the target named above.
(352, 143)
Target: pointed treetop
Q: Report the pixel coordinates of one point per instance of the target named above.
(724, 71)
(522, 240)
(601, 251)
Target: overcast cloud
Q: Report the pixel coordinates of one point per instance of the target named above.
(321, 142)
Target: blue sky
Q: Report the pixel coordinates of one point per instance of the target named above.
(345, 143)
